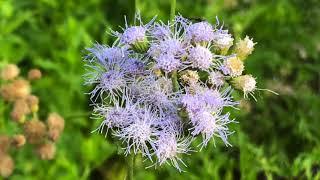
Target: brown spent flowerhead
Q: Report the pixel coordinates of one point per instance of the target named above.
(19, 88)
(54, 134)
(6, 92)
(20, 110)
(4, 143)
(9, 72)
(18, 140)
(34, 74)
(56, 125)
(35, 131)
(6, 165)
(55, 121)
(190, 77)
(33, 102)
(47, 151)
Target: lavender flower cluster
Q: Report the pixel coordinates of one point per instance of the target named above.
(162, 85)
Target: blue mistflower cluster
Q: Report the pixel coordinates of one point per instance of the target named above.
(162, 85)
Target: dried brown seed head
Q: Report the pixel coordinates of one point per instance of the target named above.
(6, 165)
(18, 140)
(33, 102)
(4, 143)
(20, 109)
(47, 151)
(54, 134)
(55, 121)
(10, 72)
(18, 89)
(35, 131)
(34, 74)
(56, 125)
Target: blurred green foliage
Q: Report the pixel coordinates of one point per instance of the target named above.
(277, 137)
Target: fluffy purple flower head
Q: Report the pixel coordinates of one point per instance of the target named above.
(200, 32)
(106, 55)
(223, 39)
(114, 54)
(156, 93)
(211, 125)
(112, 80)
(160, 31)
(168, 149)
(193, 104)
(168, 63)
(133, 66)
(114, 117)
(133, 35)
(216, 78)
(171, 46)
(168, 46)
(170, 123)
(200, 57)
(110, 83)
(213, 99)
(140, 133)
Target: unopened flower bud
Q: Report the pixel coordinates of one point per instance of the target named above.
(20, 109)
(56, 125)
(141, 46)
(35, 131)
(10, 72)
(4, 143)
(34, 74)
(245, 83)
(18, 140)
(6, 165)
(233, 66)
(33, 102)
(47, 151)
(244, 48)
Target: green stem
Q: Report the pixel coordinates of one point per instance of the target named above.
(174, 75)
(172, 10)
(174, 79)
(130, 162)
(136, 6)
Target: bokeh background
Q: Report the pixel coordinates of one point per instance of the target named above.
(277, 137)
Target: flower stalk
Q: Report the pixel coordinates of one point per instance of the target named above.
(174, 75)
(130, 164)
